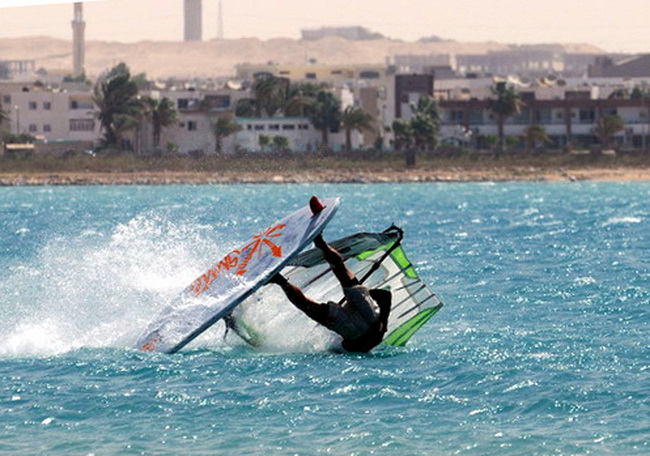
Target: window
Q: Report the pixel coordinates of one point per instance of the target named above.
(192, 125)
(82, 124)
(259, 127)
(6, 99)
(303, 127)
(476, 117)
(543, 116)
(456, 115)
(310, 75)
(216, 101)
(289, 127)
(33, 128)
(183, 103)
(32, 105)
(587, 115)
(274, 127)
(47, 105)
(369, 75)
(47, 128)
(81, 104)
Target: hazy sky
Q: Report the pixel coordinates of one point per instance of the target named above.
(614, 26)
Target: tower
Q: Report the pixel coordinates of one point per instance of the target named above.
(78, 40)
(193, 20)
(220, 23)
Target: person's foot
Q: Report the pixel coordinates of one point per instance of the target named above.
(278, 279)
(315, 205)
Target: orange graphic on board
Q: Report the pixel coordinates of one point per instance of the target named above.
(240, 259)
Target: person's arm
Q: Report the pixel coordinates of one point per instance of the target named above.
(314, 310)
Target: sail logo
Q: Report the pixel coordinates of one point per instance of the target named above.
(240, 260)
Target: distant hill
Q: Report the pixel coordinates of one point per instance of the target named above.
(218, 57)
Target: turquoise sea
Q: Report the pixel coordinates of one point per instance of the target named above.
(542, 347)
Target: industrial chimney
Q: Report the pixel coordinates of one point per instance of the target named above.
(78, 40)
(193, 20)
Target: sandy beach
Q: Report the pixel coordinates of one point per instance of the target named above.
(502, 174)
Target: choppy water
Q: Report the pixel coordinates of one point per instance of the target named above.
(542, 347)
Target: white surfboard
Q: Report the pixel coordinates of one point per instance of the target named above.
(232, 279)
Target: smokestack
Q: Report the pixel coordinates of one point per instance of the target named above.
(78, 40)
(193, 20)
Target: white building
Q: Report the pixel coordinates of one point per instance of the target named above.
(52, 115)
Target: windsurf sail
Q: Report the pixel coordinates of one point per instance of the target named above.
(379, 261)
(214, 294)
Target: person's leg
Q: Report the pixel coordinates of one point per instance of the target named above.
(314, 310)
(336, 262)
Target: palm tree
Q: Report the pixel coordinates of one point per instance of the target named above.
(505, 105)
(246, 107)
(402, 134)
(162, 114)
(222, 128)
(270, 94)
(536, 134)
(607, 127)
(300, 99)
(354, 118)
(325, 115)
(115, 94)
(425, 123)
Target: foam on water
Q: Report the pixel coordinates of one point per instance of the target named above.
(101, 290)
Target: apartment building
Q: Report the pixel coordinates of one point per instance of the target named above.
(569, 119)
(51, 115)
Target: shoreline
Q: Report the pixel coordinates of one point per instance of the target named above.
(506, 174)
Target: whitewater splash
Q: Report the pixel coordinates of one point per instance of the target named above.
(96, 290)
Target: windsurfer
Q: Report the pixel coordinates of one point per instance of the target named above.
(361, 319)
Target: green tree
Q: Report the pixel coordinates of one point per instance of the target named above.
(325, 115)
(4, 117)
(162, 114)
(402, 134)
(221, 129)
(424, 128)
(246, 107)
(607, 127)
(264, 142)
(354, 118)
(505, 104)
(270, 94)
(535, 135)
(301, 99)
(115, 95)
(122, 124)
(425, 123)
(280, 143)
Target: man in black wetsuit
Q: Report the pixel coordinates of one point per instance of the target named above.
(361, 319)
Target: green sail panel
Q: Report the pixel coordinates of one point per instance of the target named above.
(400, 336)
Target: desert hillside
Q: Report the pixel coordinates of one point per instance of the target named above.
(218, 57)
